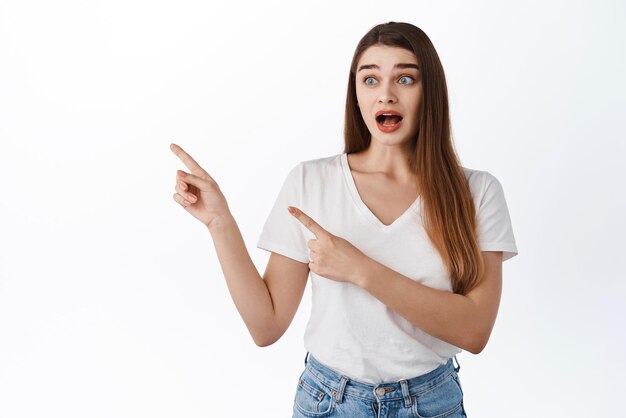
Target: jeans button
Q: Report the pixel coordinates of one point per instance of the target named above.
(380, 391)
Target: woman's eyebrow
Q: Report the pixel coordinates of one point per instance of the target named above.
(376, 67)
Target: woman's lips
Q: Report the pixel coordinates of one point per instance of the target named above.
(388, 120)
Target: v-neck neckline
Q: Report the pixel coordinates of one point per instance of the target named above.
(414, 207)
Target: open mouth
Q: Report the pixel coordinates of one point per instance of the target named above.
(387, 119)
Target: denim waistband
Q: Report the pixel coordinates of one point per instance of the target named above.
(340, 385)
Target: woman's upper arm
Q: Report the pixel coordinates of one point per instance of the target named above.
(285, 279)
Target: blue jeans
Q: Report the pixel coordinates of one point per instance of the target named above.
(324, 392)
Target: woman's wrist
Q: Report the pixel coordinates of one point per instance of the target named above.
(220, 221)
(365, 271)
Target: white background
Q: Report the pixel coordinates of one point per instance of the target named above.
(112, 302)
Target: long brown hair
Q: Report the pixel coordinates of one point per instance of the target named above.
(448, 209)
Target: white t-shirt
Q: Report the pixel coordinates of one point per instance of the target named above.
(349, 329)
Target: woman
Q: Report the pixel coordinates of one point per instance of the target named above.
(404, 246)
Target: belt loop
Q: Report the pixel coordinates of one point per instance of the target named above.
(306, 358)
(456, 369)
(405, 393)
(342, 386)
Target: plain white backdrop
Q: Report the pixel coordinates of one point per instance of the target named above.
(112, 301)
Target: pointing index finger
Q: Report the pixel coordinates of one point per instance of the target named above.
(307, 221)
(191, 164)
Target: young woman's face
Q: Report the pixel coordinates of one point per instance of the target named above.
(389, 92)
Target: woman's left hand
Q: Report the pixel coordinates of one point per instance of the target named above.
(331, 256)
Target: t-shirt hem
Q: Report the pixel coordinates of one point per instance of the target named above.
(509, 250)
(287, 252)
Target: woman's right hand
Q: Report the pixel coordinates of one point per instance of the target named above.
(197, 192)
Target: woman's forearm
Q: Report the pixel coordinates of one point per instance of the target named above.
(451, 317)
(246, 286)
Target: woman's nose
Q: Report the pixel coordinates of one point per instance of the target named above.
(387, 96)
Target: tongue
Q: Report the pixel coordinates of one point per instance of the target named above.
(390, 120)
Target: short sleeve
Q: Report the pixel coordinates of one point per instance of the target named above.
(495, 232)
(282, 233)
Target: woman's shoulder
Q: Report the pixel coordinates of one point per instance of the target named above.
(322, 162)
(480, 181)
(319, 165)
(474, 175)
(315, 170)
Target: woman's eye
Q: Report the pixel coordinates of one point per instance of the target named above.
(405, 79)
(370, 81)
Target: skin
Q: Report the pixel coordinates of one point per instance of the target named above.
(388, 88)
(267, 304)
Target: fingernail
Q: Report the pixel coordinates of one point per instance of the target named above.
(182, 173)
(291, 210)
